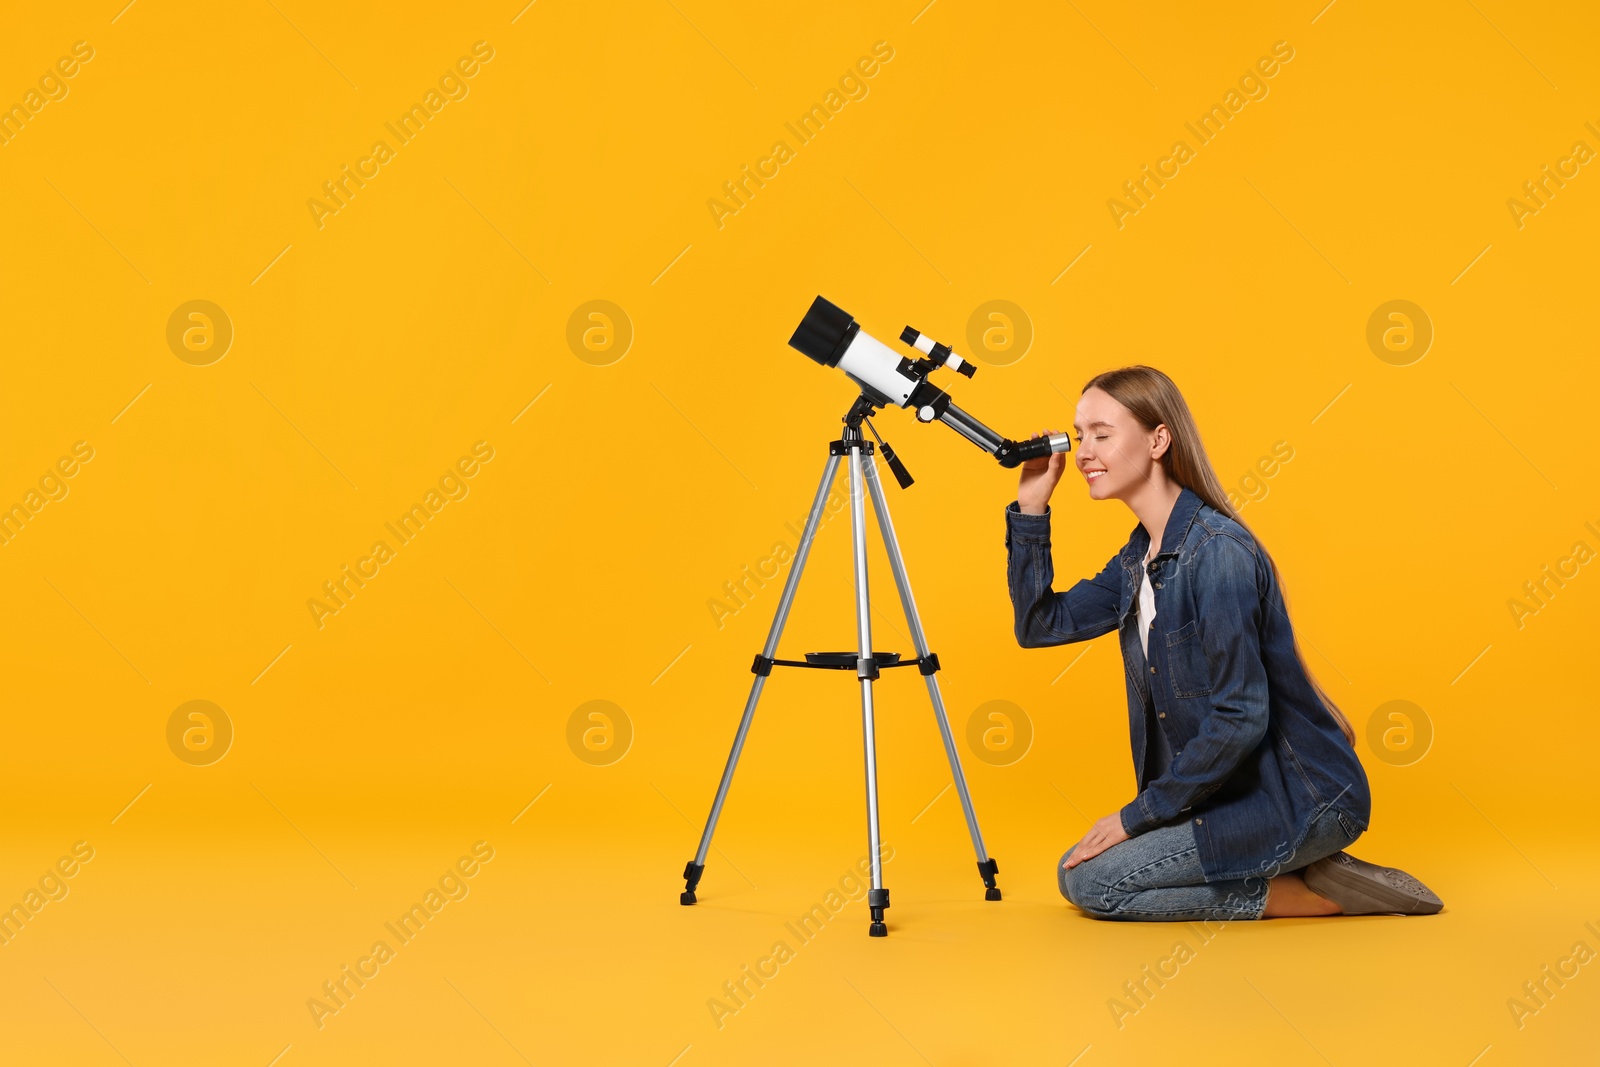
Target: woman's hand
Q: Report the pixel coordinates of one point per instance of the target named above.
(1101, 836)
(1037, 479)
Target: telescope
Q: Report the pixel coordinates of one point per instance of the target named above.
(833, 338)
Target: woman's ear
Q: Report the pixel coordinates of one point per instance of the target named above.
(1160, 441)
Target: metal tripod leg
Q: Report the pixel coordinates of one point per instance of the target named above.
(866, 672)
(696, 867)
(986, 866)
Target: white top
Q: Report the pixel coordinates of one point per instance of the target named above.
(1147, 608)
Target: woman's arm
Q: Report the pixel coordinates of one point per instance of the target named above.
(1043, 616)
(1228, 605)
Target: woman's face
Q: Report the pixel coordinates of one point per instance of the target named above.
(1114, 451)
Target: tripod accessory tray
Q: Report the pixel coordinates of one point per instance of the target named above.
(845, 661)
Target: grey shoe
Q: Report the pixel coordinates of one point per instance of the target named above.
(1362, 888)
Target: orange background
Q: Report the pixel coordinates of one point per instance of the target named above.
(435, 310)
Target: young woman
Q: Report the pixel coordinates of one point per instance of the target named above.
(1249, 787)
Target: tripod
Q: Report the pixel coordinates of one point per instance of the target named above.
(863, 468)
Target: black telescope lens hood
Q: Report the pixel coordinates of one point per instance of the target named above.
(825, 332)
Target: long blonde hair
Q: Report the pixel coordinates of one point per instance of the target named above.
(1153, 399)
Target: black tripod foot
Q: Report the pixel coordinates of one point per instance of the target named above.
(989, 868)
(691, 877)
(877, 900)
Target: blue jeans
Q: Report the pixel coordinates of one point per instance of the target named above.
(1156, 876)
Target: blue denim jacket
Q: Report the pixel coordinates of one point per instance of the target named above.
(1254, 753)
